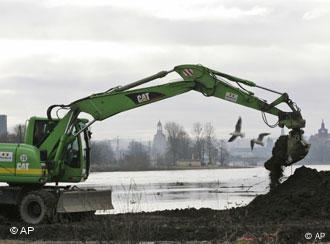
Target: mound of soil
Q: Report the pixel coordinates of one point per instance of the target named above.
(299, 205)
(305, 194)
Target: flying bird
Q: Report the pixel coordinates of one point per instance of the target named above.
(237, 131)
(259, 140)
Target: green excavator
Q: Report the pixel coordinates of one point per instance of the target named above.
(57, 150)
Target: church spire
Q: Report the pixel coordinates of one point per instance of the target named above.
(159, 127)
(323, 131)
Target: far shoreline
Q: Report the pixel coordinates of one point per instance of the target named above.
(176, 168)
(194, 168)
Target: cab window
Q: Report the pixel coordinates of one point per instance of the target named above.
(42, 128)
(72, 154)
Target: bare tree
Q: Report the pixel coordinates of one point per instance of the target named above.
(172, 129)
(199, 148)
(178, 142)
(102, 155)
(184, 145)
(211, 149)
(223, 154)
(19, 132)
(136, 157)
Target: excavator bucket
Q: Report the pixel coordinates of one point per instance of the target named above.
(298, 148)
(84, 201)
(288, 149)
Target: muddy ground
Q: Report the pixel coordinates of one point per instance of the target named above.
(298, 206)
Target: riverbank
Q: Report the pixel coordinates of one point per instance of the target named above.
(177, 225)
(298, 206)
(96, 170)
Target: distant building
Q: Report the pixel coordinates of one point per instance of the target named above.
(320, 146)
(159, 143)
(243, 155)
(323, 132)
(3, 124)
(188, 164)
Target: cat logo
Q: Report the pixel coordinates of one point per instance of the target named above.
(22, 166)
(144, 97)
(140, 98)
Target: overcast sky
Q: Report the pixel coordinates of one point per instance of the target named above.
(58, 51)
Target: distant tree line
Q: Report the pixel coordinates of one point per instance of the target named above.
(201, 146)
(103, 157)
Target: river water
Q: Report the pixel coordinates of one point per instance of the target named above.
(199, 188)
(208, 188)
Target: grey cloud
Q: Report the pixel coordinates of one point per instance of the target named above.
(280, 50)
(281, 26)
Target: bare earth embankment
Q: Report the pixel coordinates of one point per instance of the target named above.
(298, 206)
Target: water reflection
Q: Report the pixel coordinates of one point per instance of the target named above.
(159, 190)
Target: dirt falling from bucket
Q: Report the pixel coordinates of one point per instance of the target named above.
(275, 172)
(275, 175)
(276, 162)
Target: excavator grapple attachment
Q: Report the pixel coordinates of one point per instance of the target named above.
(84, 201)
(288, 149)
(298, 147)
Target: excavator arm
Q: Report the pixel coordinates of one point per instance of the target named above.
(194, 78)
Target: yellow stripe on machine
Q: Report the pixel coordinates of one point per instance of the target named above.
(7, 170)
(29, 172)
(21, 171)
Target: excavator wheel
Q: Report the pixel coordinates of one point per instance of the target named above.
(37, 207)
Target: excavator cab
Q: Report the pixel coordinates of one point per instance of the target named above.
(76, 155)
(28, 168)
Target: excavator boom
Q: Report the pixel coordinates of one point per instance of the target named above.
(194, 78)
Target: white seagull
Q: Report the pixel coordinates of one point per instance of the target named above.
(259, 140)
(237, 131)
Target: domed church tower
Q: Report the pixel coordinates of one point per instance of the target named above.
(159, 142)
